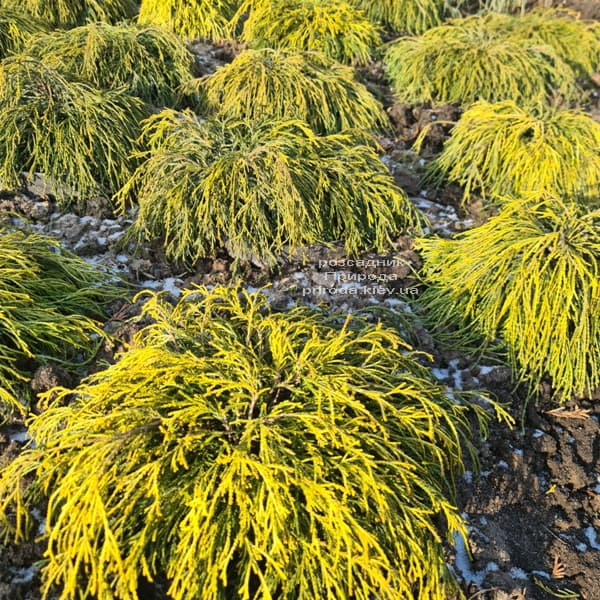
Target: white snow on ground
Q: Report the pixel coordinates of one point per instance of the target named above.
(463, 566)
(517, 573)
(592, 536)
(24, 575)
(20, 436)
(541, 574)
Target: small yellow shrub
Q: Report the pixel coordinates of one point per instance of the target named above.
(244, 453)
(531, 277)
(258, 188)
(334, 27)
(150, 63)
(47, 296)
(503, 150)
(191, 19)
(70, 13)
(285, 84)
(466, 60)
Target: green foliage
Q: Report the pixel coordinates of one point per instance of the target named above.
(149, 63)
(191, 19)
(15, 29)
(45, 293)
(530, 276)
(338, 29)
(467, 60)
(257, 187)
(573, 39)
(282, 84)
(245, 453)
(405, 16)
(503, 6)
(70, 13)
(503, 150)
(80, 138)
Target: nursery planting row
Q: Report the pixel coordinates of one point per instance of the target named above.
(233, 449)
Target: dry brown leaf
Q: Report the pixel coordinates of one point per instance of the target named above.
(558, 569)
(575, 413)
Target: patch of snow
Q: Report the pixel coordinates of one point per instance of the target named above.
(24, 575)
(440, 374)
(457, 376)
(581, 547)
(541, 574)
(485, 369)
(537, 433)
(463, 563)
(152, 284)
(468, 477)
(592, 536)
(170, 285)
(20, 436)
(517, 573)
(41, 520)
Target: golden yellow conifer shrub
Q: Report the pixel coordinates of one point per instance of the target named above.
(465, 60)
(80, 138)
(574, 39)
(245, 453)
(191, 19)
(334, 27)
(288, 84)
(405, 16)
(70, 13)
(149, 62)
(16, 28)
(257, 188)
(502, 150)
(47, 299)
(531, 277)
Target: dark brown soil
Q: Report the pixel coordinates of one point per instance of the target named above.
(535, 505)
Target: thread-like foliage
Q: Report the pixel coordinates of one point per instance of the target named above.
(338, 29)
(70, 13)
(47, 295)
(573, 39)
(530, 276)
(283, 84)
(503, 6)
(504, 150)
(149, 63)
(405, 16)
(191, 19)
(16, 28)
(467, 60)
(79, 137)
(250, 454)
(256, 188)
